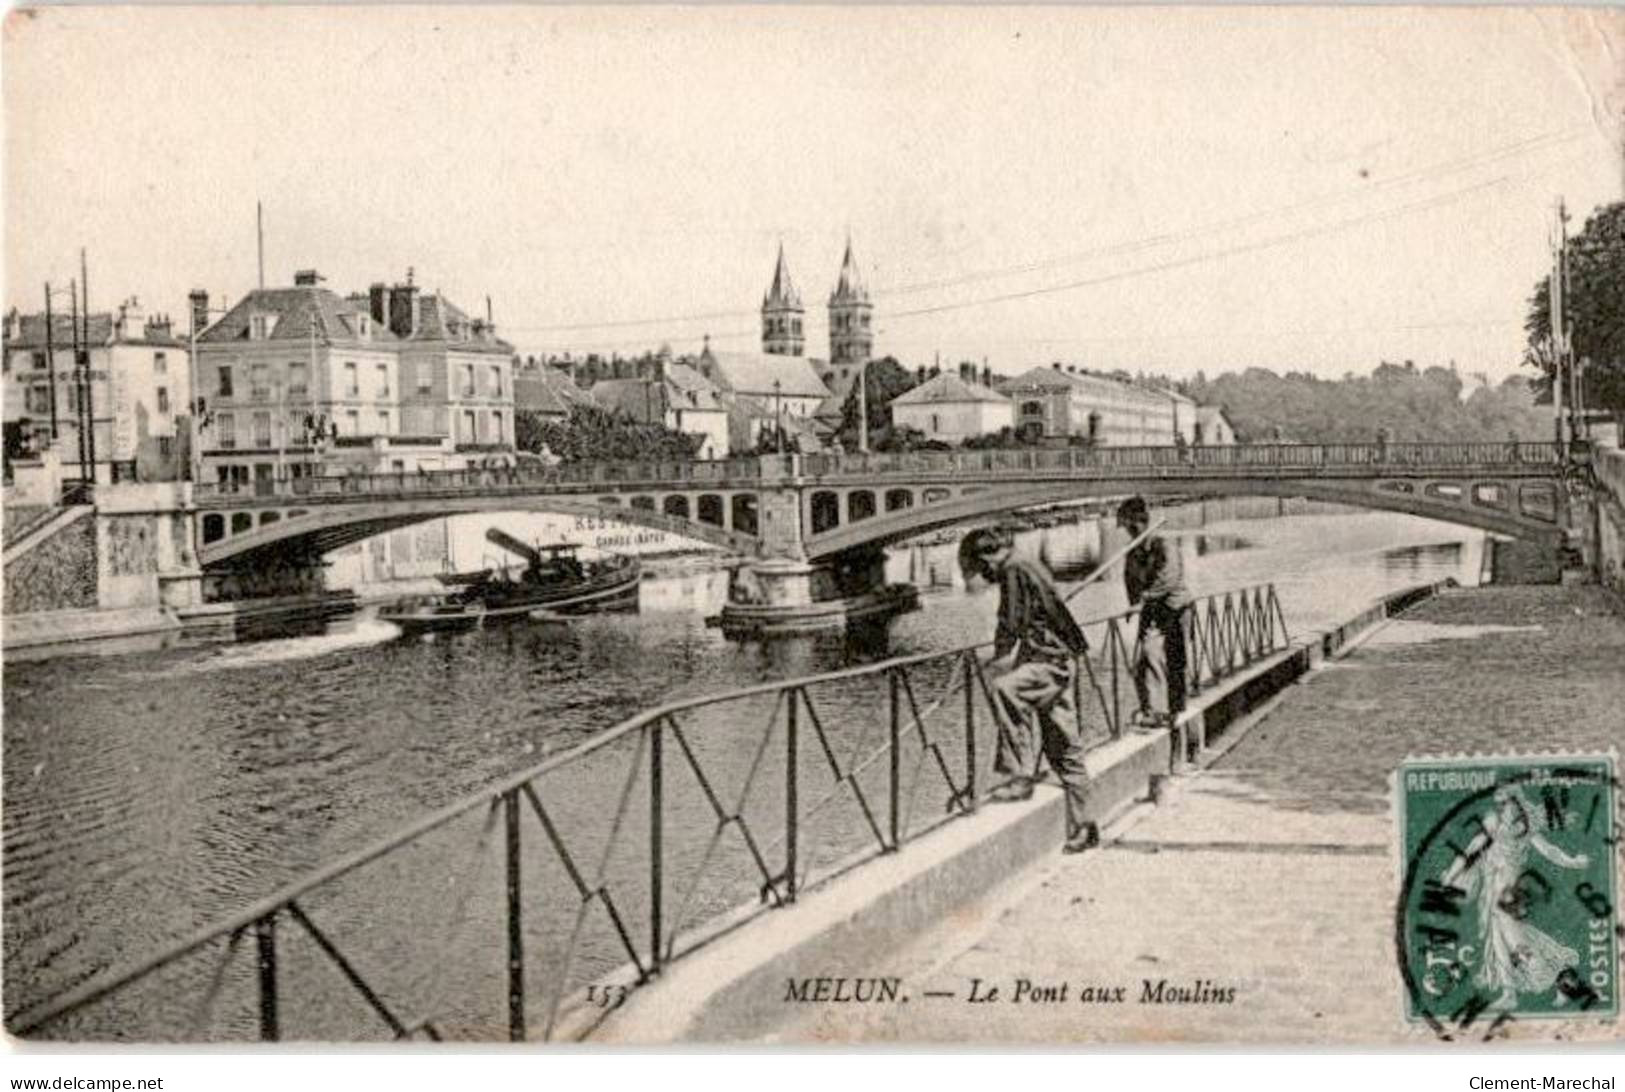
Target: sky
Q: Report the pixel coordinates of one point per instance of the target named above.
(1159, 190)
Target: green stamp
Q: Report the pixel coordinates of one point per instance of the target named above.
(1508, 904)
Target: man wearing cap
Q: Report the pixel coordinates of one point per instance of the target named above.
(1154, 577)
(1035, 627)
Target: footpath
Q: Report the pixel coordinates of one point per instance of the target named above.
(1260, 893)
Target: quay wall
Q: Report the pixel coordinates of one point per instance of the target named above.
(729, 989)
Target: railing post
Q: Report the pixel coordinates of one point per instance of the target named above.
(791, 811)
(516, 939)
(895, 772)
(265, 944)
(656, 829)
(970, 730)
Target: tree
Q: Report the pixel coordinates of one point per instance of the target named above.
(1594, 309)
(885, 380)
(592, 432)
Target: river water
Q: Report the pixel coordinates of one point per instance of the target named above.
(147, 794)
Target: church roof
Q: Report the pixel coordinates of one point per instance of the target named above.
(849, 288)
(782, 293)
(756, 373)
(947, 387)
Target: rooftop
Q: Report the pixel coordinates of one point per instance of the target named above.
(948, 387)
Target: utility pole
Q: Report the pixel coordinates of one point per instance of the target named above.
(50, 358)
(1559, 332)
(90, 378)
(78, 381)
(863, 407)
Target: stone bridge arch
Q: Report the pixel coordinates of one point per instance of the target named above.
(1500, 505)
(312, 529)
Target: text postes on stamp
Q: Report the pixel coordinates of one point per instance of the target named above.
(1508, 899)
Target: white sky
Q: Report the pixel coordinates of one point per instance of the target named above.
(1162, 190)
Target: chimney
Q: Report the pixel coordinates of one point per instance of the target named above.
(306, 278)
(1056, 365)
(378, 302)
(158, 328)
(403, 310)
(200, 309)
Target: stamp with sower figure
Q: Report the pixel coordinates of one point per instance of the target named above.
(1508, 904)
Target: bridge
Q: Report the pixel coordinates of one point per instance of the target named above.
(814, 508)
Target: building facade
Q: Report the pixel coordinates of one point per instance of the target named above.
(300, 381)
(1213, 428)
(1107, 411)
(134, 390)
(951, 409)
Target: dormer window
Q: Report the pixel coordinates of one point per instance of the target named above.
(259, 327)
(363, 327)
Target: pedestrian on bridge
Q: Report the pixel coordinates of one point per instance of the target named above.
(1037, 631)
(1154, 577)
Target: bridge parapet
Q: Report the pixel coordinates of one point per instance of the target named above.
(637, 813)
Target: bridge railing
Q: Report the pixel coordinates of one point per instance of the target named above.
(1189, 460)
(1104, 462)
(525, 908)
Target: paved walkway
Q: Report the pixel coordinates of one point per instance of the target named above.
(1261, 892)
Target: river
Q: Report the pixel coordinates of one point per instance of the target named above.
(146, 794)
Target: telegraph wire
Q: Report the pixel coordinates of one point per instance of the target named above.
(1515, 149)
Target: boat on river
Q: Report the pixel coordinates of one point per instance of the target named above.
(557, 580)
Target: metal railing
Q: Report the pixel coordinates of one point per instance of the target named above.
(1101, 462)
(655, 835)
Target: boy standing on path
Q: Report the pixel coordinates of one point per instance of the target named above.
(1037, 627)
(1154, 577)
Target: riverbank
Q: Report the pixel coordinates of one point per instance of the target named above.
(1269, 878)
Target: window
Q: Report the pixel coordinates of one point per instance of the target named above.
(40, 362)
(425, 378)
(259, 382)
(352, 418)
(259, 327)
(262, 430)
(468, 380)
(160, 363)
(163, 400)
(225, 381)
(936, 425)
(468, 427)
(298, 382)
(363, 326)
(225, 429)
(39, 399)
(496, 380)
(383, 423)
(352, 380)
(166, 447)
(497, 435)
(383, 381)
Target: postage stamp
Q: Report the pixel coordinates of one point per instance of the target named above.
(1508, 906)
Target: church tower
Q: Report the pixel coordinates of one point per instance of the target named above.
(782, 314)
(851, 336)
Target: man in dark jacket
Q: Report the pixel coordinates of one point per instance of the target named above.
(1035, 627)
(1154, 577)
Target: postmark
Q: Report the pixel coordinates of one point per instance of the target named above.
(1508, 905)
